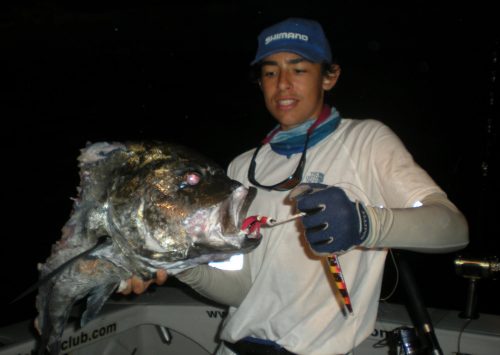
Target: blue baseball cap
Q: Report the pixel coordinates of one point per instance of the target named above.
(296, 35)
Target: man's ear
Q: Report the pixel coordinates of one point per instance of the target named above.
(331, 77)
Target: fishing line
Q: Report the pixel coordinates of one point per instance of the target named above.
(383, 299)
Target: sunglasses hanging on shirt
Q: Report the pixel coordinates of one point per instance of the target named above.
(294, 179)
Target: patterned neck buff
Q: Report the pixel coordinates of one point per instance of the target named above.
(292, 141)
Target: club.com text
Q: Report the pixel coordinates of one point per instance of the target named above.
(84, 337)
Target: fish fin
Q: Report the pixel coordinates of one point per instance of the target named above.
(43, 344)
(54, 348)
(98, 296)
(43, 351)
(44, 329)
(59, 269)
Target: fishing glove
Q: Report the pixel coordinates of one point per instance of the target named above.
(333, 223)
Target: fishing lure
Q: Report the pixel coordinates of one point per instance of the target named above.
(252, 225)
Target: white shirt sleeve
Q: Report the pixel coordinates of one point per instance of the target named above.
(436, 226)
(222, 286)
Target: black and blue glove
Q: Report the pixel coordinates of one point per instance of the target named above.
(333, 223)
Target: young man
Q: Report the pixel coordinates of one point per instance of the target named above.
(361, 193)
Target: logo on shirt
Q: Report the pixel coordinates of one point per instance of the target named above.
(315, 177)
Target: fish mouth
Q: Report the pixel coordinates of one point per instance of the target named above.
(221, 223)
(218, 228)
(244, 204)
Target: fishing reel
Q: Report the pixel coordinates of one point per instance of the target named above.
(404, 341)
(475, 270)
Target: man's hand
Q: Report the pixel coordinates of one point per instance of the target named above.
(333, 223)
(138, 286)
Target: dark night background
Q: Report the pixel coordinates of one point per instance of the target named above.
(75, 72)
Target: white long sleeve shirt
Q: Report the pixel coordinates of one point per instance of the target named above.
(285, 293)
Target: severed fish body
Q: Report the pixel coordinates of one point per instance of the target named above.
(140, 207)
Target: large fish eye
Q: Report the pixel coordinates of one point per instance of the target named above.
(191, 178)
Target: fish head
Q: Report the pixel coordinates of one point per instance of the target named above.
(180, 205)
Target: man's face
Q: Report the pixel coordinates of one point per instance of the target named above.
(293, 88)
